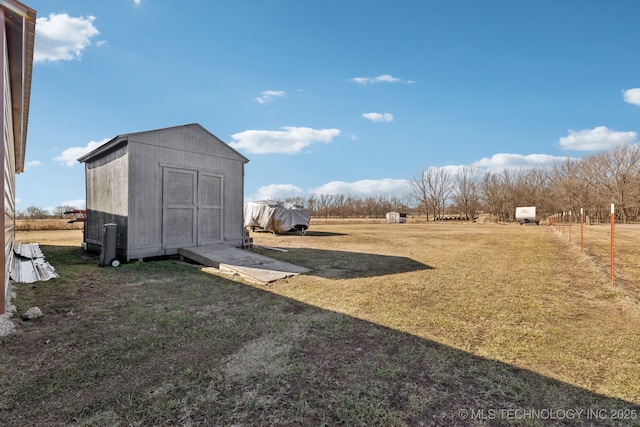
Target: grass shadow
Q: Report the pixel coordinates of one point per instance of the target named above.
(313, 233)
(345, 264)
(159, 343)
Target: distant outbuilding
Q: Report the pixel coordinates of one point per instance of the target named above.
(396, 218)
(165, 189)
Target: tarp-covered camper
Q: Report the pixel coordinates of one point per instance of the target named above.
(276, 217)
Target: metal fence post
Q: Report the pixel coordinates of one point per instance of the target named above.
(581, 230)
(612, 220)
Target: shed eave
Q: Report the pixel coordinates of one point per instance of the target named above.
(20, 21)
(104, 148)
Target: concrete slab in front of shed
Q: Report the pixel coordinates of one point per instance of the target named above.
(254, 267)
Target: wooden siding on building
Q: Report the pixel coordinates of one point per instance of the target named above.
(17, 34)
(107, 187)
(9, 170)
(184, 187)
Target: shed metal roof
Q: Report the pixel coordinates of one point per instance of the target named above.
(124, 138)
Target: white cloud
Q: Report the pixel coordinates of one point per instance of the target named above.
(276, 192)
(365, 187)
(77, 203)
(502, 161)
(70, 156)
(598, 138)
(289, 140)
(61, 37)
(383, 78)
(137, 2)
(270, 96)
(379, 117)
(33, 164)
(632, 96)
(452, 169)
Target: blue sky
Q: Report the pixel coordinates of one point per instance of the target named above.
(332, 96)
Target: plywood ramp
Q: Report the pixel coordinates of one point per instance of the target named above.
(249, 265)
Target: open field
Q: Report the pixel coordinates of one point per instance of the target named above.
(404, 324)
(47, 224)
(597, 240)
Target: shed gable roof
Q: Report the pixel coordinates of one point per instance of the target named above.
(153, 137)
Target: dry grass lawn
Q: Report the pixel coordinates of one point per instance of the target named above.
(403, 324)
(518, 294)
(51, 224)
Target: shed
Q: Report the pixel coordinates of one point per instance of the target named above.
(396, 218)
(165, 189)
(17, 31)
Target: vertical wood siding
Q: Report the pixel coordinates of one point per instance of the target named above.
(8, 171)
(17, 33)
(107, 195)
(158, 219)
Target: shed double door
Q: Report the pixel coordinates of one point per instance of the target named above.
(191, 208)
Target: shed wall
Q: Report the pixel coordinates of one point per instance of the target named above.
(147, 163)
(107, 189)
(128, 180)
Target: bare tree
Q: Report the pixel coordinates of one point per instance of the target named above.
(324, 204)
(591, 182)
(466, 192)
(419, 190)
(617, 171)
(532, 188)
(35, 212)
(438, 188)
(297, 200)
(569, 188)
(59, 211)
(497, 190)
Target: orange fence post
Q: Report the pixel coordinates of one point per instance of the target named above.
(570, 221)
(563, 224)
(612, 220)
(581, 230)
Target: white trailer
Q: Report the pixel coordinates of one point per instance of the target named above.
(527, 215)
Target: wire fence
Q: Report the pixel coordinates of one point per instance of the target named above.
(612, 242)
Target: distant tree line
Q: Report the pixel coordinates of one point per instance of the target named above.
(35, 212)
(592, 183)
(350, 206)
